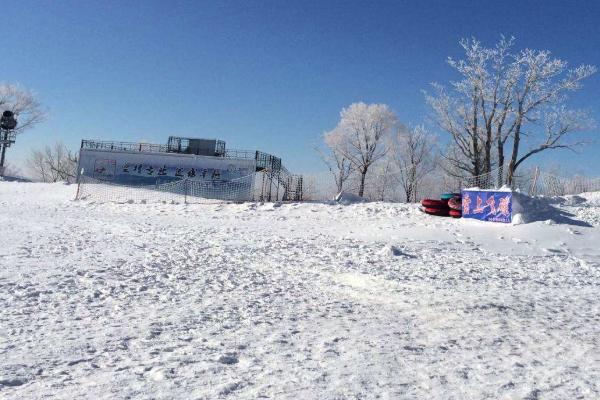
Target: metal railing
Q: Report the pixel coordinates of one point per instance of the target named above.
(244, 154)
(156, 148)
(124, 146)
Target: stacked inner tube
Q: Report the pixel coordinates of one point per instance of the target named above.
(436, 207)
(450, 204)
(455, 205)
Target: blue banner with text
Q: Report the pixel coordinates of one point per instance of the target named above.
(487, 205)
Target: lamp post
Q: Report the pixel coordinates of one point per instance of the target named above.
(8, 123)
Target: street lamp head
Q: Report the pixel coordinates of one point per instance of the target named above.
(8, 121)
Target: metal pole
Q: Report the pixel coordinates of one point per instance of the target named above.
(262, 189)
(277, 193)
(2, 158)
(185, 191)
(270, 186)
(4, 139)
(79, 177)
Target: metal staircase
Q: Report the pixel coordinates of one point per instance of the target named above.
(278, 183)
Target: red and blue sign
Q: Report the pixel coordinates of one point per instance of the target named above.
(487, 205)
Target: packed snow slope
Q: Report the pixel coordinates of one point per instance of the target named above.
(294, 301)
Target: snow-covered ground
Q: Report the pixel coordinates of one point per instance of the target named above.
(294, 301)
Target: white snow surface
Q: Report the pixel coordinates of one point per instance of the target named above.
(294, 301)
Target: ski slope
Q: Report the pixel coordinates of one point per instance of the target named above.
(294, 301)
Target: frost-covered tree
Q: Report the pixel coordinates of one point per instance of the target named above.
(338, 164)
(382, 181)
(459, 112)
(539, 105)
(414, 154)
(53, 164)
(360, 136)
(501, 96)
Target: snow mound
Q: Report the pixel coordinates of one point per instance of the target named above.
(349, 198)
(391, 251)
(584, 206)
(527, 209)
(589, 199)
(574, 200)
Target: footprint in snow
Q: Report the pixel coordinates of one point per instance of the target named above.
(393, 251)
(554, 251)
(12, 382)
(228, 359)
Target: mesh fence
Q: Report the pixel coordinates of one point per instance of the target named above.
(491, 180)
(552, 185)
(536, 183)
(241, 189)
(180, 191)
(102, 191)
(379, 186)
(260, 186)
(497, 178)
(265, 186)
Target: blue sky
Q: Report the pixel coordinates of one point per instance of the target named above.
(268, 75)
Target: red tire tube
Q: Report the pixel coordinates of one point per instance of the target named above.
(436, 211)
(455, 203)
(455, 213)
(434, 204)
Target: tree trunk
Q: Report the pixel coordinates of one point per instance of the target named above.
(476, 154)
(500, 162)
(487, 161)
(413, 182)
(512, 166)
(361, 189)
(408, 193)
(476, 158)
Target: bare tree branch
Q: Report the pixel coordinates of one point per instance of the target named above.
(53, 164)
